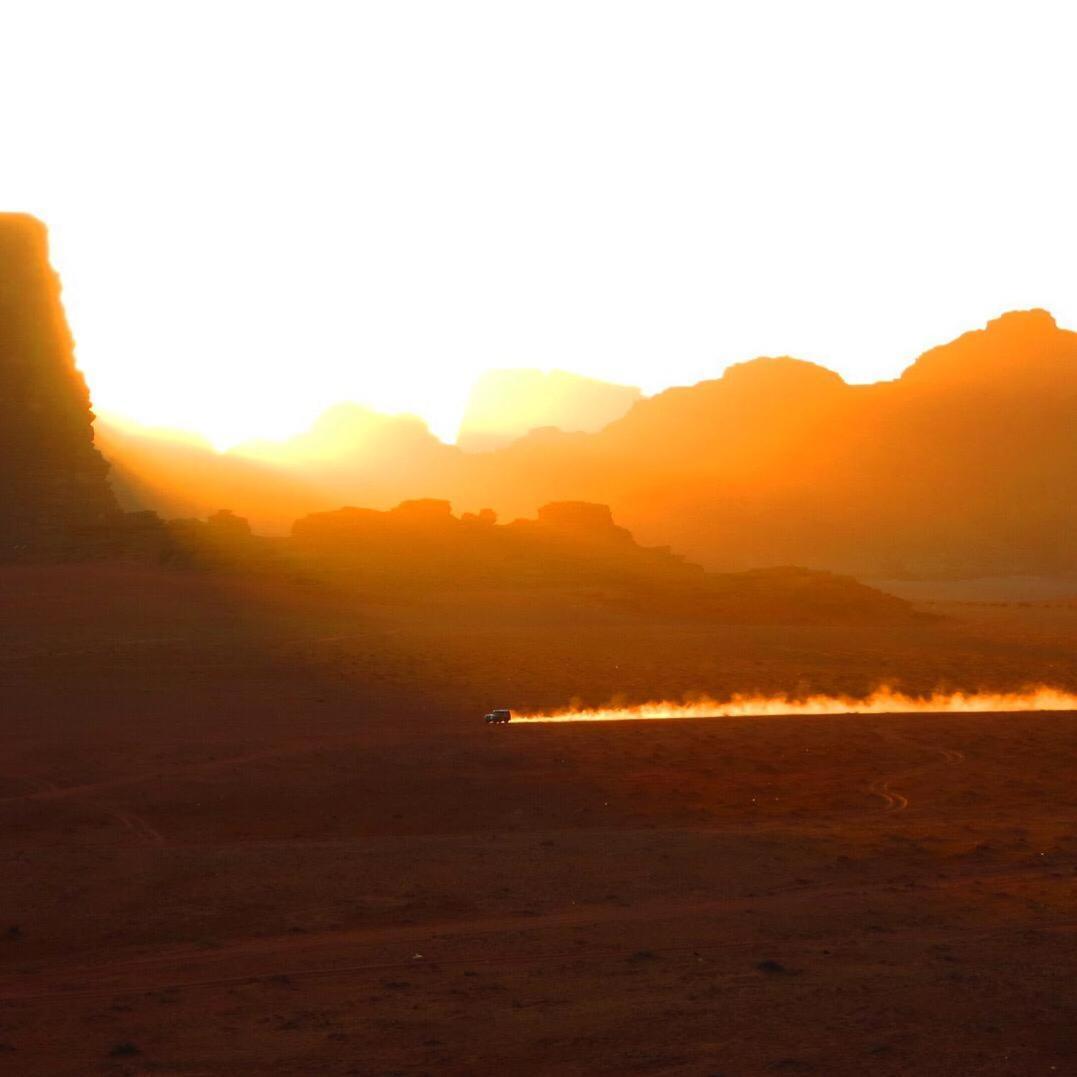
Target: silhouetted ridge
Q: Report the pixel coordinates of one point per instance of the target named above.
(56, 497)
(1019, 347)
(961, 467)
(584, 520)
(574, 550)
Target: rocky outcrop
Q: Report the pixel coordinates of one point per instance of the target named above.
(583, 520)
(573, 552)
(56, 501)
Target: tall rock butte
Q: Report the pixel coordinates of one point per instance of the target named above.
(55, 500)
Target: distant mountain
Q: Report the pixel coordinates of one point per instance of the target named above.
(964, 466)
(356, 456)
(343, 437)
(507, 404)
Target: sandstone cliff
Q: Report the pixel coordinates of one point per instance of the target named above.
(56, 500)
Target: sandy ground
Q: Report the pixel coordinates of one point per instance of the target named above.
(252, 828)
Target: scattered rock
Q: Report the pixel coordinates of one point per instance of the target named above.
(774, 968)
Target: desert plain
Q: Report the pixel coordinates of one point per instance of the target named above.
(251, 827)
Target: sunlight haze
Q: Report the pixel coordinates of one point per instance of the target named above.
(260, 209)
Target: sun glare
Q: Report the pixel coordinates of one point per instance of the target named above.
(258, 215)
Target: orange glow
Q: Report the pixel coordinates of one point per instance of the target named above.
(383, 226)
(883, 700)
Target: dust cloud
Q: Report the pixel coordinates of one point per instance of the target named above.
(883, 700)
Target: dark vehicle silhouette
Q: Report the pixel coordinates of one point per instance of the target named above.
(497, 717)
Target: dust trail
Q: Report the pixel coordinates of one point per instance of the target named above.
(883, 700)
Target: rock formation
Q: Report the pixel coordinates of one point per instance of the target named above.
(574, 553)
(963, 467)
(56, 497)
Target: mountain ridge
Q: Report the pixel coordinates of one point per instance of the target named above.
(962, 465)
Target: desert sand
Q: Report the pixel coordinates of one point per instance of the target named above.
(248, 829)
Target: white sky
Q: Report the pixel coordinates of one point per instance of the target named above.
(262, 208)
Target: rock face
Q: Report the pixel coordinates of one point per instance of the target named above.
(56, 501)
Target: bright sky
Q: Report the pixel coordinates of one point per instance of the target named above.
(259, 209)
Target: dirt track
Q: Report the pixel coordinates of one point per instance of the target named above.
(302, 957)
(895, 801)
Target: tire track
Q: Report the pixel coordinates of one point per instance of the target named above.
(39, 787)
(143, 830)
(46, 790)
(894, 801)
(574, 915)
(166, 972)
